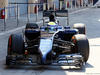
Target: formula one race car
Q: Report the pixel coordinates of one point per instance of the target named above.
(51, 44)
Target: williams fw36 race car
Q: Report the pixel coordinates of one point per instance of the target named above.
(50, 44)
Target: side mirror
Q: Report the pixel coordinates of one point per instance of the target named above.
(67, 27)
(43, 28)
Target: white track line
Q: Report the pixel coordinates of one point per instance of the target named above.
(78, 11)
(9, 31)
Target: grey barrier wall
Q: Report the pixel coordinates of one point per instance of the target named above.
(13, 11)
(18, 1)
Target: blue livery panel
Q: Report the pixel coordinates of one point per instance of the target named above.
(45, 47)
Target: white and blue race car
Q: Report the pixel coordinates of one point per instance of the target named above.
(51, 44)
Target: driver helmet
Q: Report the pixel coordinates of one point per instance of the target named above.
(51, 24)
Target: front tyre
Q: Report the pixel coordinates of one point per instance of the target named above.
(81, 45)
(16, 44)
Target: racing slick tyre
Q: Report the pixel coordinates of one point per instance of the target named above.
(81, 45)
(31, 26)
(16, 44)
(81, 28)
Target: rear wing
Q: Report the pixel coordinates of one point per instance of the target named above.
(61, 13)
(57, 13)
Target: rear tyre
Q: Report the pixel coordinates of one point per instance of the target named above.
(16, 44)
(81, 28)
(81, 45)
(31, 26)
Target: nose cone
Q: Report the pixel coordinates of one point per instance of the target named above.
(45, 48)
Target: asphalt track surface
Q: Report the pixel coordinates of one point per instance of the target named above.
(91, 18)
